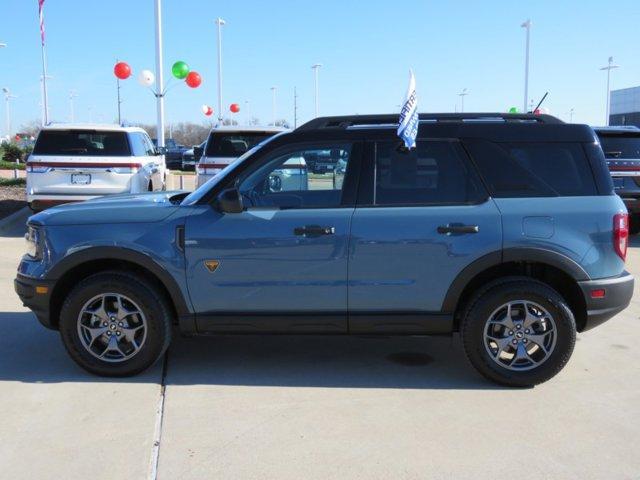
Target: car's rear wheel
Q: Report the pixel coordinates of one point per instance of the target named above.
(115, 324)
(518, 332)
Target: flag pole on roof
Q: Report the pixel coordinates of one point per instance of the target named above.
(408, 124)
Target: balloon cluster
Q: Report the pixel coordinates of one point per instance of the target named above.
(180, 70)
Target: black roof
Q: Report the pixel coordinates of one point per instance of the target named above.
(498, 127)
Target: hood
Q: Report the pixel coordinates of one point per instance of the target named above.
(137, 208)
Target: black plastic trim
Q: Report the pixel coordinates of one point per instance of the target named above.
(618, 293)
(39, 304)
(126, 254)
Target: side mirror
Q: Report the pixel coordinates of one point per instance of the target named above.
(230, 201)
(161, 150)
(198, 151)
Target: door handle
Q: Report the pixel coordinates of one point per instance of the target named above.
(447, 229)
(313, 231)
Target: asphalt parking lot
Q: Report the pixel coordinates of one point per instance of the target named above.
(313, 407)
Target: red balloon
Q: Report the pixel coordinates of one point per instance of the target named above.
(17, 137)
(209, 112)
(235, 108)
(193, 79)
(122, 70)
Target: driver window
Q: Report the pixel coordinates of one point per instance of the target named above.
(310, 177)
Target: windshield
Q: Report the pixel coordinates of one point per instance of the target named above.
(200, 192)
(82, 143)
(621, 146)
(232, 144)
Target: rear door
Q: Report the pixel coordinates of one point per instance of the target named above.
(422, 217)
(81, 162)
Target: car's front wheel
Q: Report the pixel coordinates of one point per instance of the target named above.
(115, 324)
(518, 332)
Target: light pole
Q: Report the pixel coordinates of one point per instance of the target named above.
(220, 22)
(7, 97)
(42, 94)
(463, 94)
(571, 115)
(527, 26)
(248, 111)
(315, 69)
(72, 95)
(159, 78)
(273, 104)
(610, 66)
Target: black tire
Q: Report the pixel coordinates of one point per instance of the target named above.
(498, 293)
(151, 302)
(634, 224)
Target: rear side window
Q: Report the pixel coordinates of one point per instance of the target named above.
(622, 146)
(233, 144)
(434, 173)
(533, 169)
(82, 143)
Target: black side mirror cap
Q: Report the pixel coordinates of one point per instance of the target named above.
(198, 151)
(230, 201)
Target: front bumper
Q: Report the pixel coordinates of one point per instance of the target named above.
(35, 294)
(617, 296)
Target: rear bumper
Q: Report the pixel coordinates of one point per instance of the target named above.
(38, 303)
(618, 292)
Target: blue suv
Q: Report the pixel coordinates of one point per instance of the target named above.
(502, 227)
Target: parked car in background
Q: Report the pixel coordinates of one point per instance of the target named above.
(71, 163)
(502, 227)
(189, 157)
(225, 144)
(172, 153)
(621, 146)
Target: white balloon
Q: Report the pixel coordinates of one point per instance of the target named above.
(146, 78)
(205, 109)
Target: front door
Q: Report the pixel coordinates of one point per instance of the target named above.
(281, 264)
(424, 218)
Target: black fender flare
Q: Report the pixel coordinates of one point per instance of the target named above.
(129, 255)
(496, 258)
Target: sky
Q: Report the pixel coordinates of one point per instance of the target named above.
(366, 50)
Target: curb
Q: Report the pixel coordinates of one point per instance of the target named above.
(7, 223)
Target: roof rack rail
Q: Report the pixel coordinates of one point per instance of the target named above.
(372, 121)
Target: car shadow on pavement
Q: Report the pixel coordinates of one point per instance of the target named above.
(338, 361)
(30, 353)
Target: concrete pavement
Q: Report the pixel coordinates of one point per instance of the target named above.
(315, 407)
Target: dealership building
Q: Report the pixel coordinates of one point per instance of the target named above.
(625, 107)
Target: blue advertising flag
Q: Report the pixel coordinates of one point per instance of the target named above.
(408, 125)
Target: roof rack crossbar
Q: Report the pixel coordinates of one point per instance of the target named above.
(344, 122)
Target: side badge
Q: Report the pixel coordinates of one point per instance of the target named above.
(212, 265)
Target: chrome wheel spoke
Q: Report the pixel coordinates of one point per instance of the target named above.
(501, 344)
(539, 339)
(130, 333)
(507, 320)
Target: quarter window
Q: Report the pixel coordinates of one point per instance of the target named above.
(286, 181)
(545, 169)
(434, 173)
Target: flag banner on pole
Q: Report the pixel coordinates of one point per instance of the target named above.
(41, 16)
(408, 125)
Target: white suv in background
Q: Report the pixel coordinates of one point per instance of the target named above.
(225, 144)
(72, 163)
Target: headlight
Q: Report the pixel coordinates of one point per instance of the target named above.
(32, 238)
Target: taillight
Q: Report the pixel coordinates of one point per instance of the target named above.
(621, 234)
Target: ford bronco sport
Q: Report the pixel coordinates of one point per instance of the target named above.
(502, 227)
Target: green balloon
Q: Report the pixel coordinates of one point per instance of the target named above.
(513, 110)
(180, 70)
